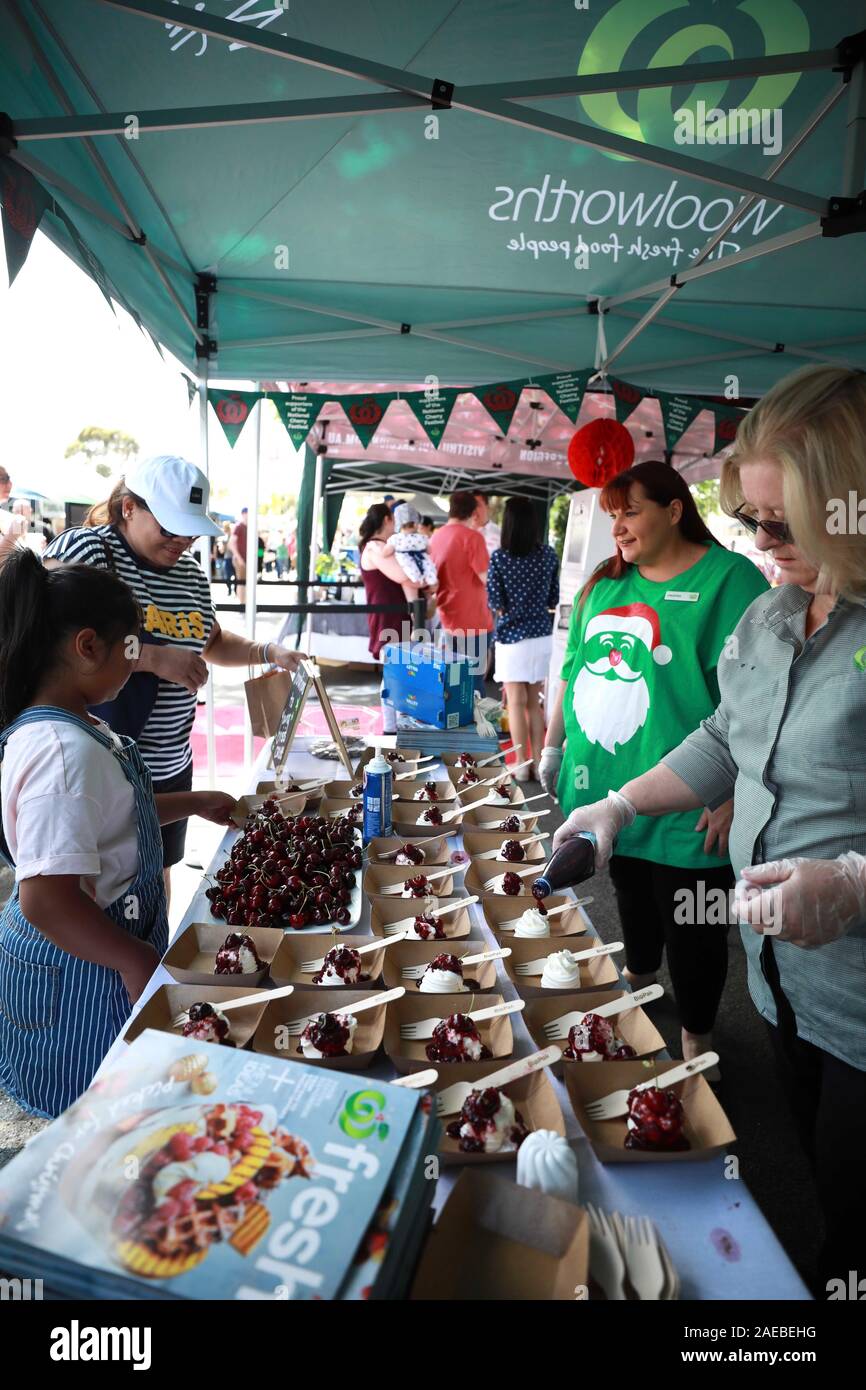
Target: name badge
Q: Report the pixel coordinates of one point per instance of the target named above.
(682, 596)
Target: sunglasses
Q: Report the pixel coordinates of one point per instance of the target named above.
(777, 529)
(167, 535)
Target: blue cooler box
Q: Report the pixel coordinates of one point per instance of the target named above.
(418, 680)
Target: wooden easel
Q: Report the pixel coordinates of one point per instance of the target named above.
(308, 676)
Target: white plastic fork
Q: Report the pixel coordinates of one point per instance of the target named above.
(260, 997)
(558, 1028)
(492, 757)
(606, 1264)
(513, 811)
(406, 924)
(295, 1028)
(451, 1100)
(642, 1257)
(418, 1079)
(311, 967)
(536, 967)
(513, 923)
(393, 890)
(425, 1027)
(610, 1107)
(415, 972)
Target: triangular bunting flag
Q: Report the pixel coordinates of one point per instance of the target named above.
(500, 400)
(191, 387)
(432, 409)
(566, 390)
(625, 398)
(24, 201)
(232, 409)
(678, 412)
(298, 412)
(725, 422)
(366, 413)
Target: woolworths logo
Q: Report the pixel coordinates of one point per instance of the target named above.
(362, 1116)
(636, 34)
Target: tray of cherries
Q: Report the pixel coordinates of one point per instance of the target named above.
(290, 872)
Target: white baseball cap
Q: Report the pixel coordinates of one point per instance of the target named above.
(176, 492)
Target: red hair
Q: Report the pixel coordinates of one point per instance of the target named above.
(662, 485)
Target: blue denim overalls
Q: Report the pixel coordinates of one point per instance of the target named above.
(58, 1014)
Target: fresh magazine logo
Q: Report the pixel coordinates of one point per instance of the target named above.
(362, 1116)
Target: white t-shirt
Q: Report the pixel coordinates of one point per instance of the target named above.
(68, 809)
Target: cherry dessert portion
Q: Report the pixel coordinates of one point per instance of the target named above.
(655, 1121)
(467, 760)
(419, 886)
(511, 885)
(238, 956)
(328, 1034)
(344, 963)
(513, 852)
(454, 965)
(433, 816)
(456, 1039)
(429, 792)
(356, 791)
(409, 854)
(594, 1035)
(205, 1024)
(429, 928)
(510, 823)
(487, 1123)
(467, 778)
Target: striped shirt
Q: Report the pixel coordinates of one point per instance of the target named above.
(788, 739)
(178, 610)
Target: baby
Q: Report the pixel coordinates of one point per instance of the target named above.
(409, 546)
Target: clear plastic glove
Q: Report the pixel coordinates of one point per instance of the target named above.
(548, 768)
(808, 902)
(605, 819)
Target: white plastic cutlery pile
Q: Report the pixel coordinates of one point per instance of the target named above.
(620, 1245)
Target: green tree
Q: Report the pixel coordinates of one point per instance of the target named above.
(706, 495)
(558, 521)
(96, 445)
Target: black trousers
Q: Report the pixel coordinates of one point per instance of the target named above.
(697, 952)
(827, 1098)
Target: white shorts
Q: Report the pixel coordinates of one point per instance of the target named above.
(527, 661)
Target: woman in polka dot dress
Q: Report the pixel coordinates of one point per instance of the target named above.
(523, 591)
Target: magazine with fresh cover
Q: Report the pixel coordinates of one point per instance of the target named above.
(190, 1170)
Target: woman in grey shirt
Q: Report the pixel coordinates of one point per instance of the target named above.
(788, 739)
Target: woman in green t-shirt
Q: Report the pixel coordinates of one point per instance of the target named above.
(639, 674)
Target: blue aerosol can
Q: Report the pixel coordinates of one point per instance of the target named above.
(378, 778)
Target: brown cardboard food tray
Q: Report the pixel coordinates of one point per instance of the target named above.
(634, 1027)
(488, 818)
(456, 925)
(409, 755)
(286, 965)
(449, 760)
(477, 842)
(191, 956)
(334, 806)
(707, 1127)
(405, 953)
(311, 798)
(379, 877)
(409, 1056)
(169, 1000)
(245, 805)
(497, 908)
(600, 973)
(339, 790)
(405, 791)
(368, 1034)
(532, 1095)
(497, 1242)
(480, 873)
(436, 852)
(469, 795)
(486, 775)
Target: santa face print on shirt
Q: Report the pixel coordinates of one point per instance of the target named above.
(612, 690)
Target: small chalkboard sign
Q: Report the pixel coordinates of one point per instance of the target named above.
(307, 676)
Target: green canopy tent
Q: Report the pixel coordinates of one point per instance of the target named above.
(468, 193)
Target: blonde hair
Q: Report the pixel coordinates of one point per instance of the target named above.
(813, 425)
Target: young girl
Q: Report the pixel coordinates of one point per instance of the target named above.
(87, 924)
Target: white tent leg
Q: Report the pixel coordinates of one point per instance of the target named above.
(204, 559)
(253, 569)
(314, 540)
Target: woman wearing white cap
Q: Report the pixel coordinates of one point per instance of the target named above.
(144, 533)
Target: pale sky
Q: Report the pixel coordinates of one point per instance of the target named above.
(66, 362)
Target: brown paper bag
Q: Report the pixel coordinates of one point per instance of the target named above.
(266, 698)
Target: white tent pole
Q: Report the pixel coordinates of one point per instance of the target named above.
(253, 567)
(204, 558)
(314, 538)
